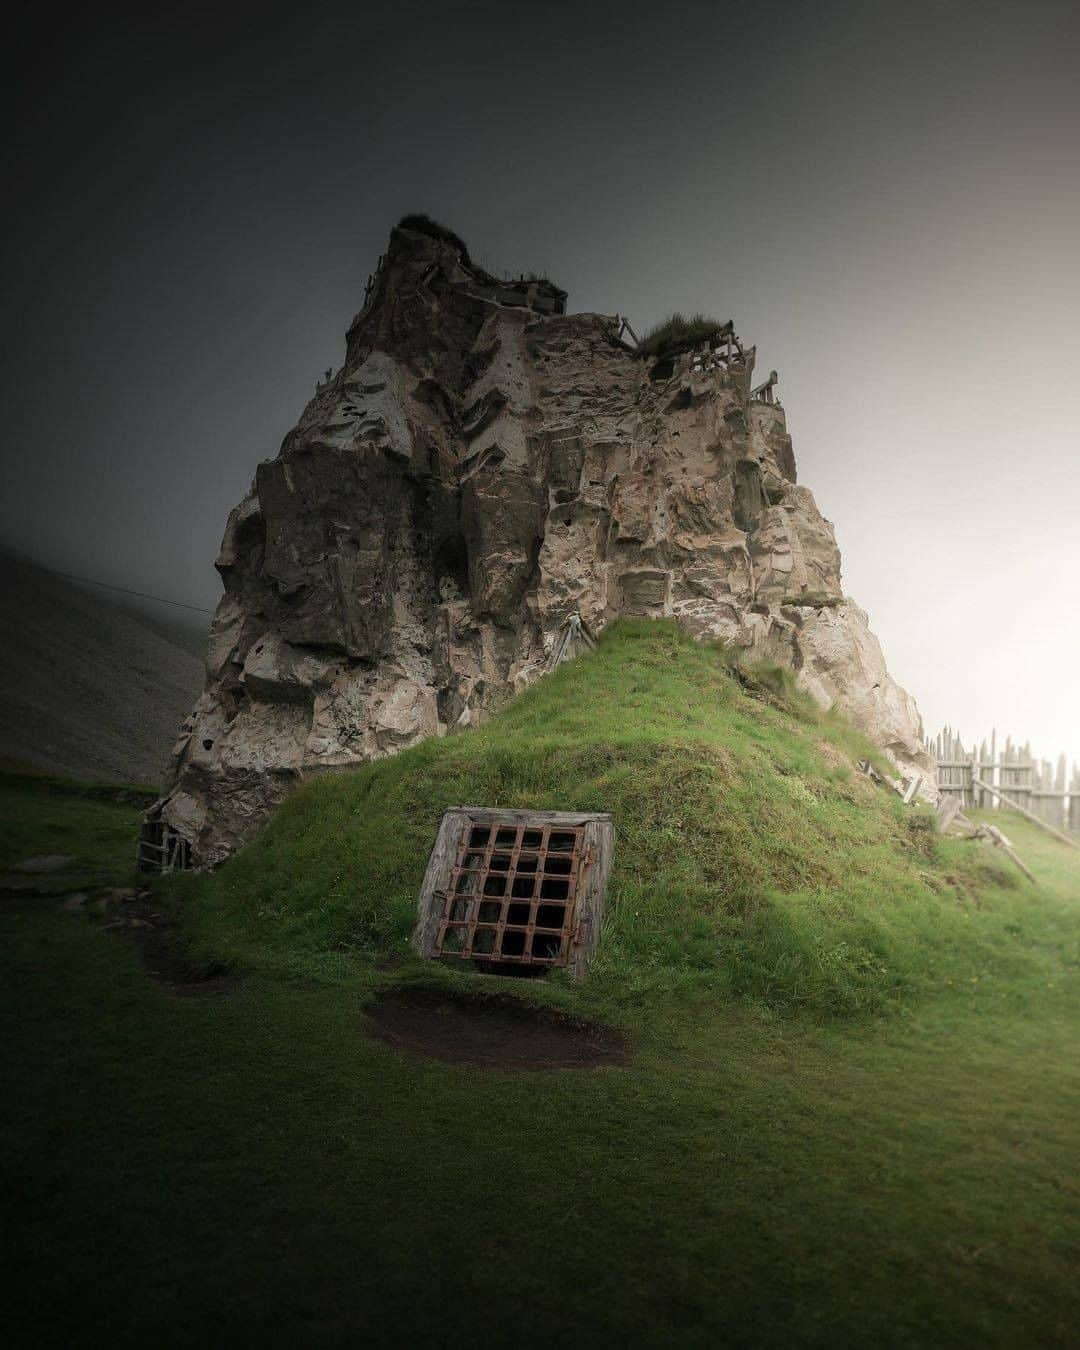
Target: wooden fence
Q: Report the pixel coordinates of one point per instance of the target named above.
(1042, 787)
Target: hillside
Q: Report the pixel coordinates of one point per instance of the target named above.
(751, 858)
(87, 685)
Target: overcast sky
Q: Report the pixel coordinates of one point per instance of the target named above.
(884, 196)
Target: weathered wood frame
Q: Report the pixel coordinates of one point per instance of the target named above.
(170, 853)
(598, 842)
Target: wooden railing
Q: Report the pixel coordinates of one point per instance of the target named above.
(979, 777)
(765, 393)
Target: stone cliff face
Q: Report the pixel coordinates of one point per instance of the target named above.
(482, 471)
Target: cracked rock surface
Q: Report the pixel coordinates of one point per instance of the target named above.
(482, 468)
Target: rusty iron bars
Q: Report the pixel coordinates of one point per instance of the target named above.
(510, 890)
(512, 894)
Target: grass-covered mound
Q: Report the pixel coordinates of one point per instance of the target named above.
(740, 1179)
(751, 858)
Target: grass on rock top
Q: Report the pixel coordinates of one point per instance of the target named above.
(751, 858)
(678, 333)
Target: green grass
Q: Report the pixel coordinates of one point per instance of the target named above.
(751, 860)
(186, 1172)
(859, 1159)
(96, 824)
(677, 333)
(1055, 867)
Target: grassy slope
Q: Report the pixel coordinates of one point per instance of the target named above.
(186, 1172)
(182, 1171)
(751, 858)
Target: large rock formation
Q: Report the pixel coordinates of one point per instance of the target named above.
(483, 471)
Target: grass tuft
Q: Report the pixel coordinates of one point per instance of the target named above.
(435, 229)
(677, 333)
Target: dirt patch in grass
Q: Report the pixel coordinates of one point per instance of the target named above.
(495, 1032)
(163, 952)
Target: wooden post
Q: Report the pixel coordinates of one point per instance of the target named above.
(1028, 815)
(999, 839)
(913, 785)
(948, 810)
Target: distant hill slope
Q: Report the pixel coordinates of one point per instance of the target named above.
(87, 685)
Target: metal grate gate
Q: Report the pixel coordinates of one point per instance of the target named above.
(512, 894)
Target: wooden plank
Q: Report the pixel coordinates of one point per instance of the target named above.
(599, 840)
(436, 880)
(1002, 843)
(498, 813)
(1009, 801)
(913, 785)
(947, 811)
(961, 822)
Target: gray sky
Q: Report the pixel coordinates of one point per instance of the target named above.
(884, 197)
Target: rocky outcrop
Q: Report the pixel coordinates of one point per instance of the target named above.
(483, 471)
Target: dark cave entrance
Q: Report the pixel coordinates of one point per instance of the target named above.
(452, 568)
